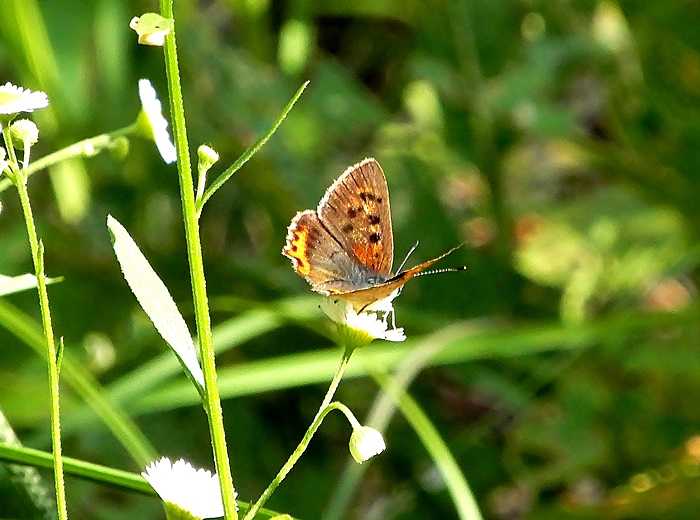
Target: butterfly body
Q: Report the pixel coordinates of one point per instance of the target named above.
(346, 247)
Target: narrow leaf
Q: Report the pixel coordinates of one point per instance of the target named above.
(155, 300)
(251, 151)
(22, 282)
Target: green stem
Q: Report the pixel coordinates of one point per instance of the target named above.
(194, 253)
(252, 150)
(38, 259)
(323, 410)
(75, 467)
(89, 471)
(85, 148)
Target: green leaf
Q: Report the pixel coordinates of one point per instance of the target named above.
(155, 300)
(22, 282)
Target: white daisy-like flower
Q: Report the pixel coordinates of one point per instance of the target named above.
(14, 99)
(156, 126)
(365, 443)
(151, 28)
(361, 328)
(196, 491)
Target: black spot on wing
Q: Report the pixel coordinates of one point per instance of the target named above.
(375, 237)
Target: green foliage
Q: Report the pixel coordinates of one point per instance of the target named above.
(559, 140)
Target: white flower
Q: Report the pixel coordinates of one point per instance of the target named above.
(152, 28)
(15, 99)
(363, 327)
(156, 125)
(196, 491)
(365, 443)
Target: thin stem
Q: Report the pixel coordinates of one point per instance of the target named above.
(85, 148)
(306, 439)
(76, 467)
(38, 259)
(194, 254)
(252, 150)
(90, 471)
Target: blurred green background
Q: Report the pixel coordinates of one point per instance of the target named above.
(559, 139)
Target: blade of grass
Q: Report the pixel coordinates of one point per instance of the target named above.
(464, 500)
(118, 422)
(318, 366)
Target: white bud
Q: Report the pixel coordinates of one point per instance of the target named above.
(207, 157)
(365, 443)
(26, 132)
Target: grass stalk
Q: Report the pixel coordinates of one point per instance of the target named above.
(212, 401)
(37, 250)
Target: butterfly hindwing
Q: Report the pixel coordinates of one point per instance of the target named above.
(317, 256)
(356, 211)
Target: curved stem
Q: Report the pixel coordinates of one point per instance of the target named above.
(323, 410)
(84, 148)
(37, 249)
(212, 402)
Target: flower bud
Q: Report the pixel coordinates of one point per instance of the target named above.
(365, 443)
(207, 158)
(26, 133)
(152, 28)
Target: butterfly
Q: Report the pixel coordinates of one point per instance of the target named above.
(345, 248)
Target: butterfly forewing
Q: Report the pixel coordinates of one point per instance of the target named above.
(317, 256)
(355, 210)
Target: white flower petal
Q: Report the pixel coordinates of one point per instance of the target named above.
(159, 126)
(371, 323)
(14, 99)
(194, 490)
(13, 284)
(154, 298)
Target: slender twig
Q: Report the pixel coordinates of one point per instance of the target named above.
(194, 253)
(37, 250)
(85, 148)
(306, 439)
(252, 150)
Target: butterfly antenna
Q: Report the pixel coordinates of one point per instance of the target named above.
(442, 270)
(410, 252)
